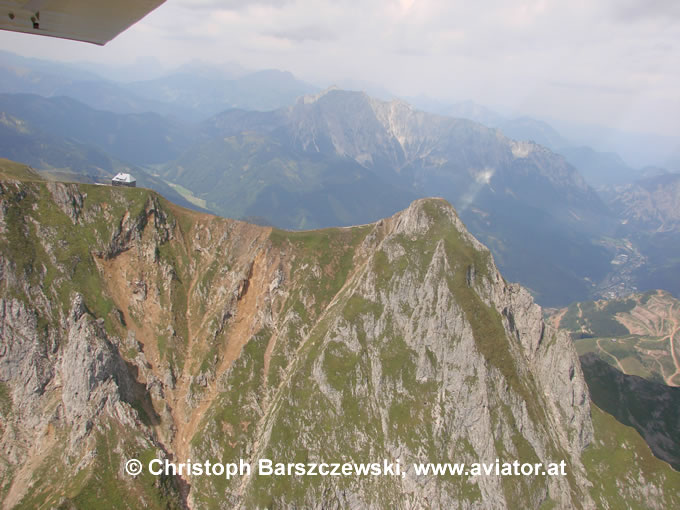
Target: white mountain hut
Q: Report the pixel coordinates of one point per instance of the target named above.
(122, 179)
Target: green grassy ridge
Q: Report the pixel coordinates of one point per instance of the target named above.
(12, 170)
(647, 407)
(331, 250)
(302, 409)
(618, 460)
(230, 422)
(5, 400)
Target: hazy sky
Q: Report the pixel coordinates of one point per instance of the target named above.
(611, 62)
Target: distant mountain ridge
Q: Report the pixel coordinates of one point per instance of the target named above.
(599, 167)
(205, 94)
(143, 138)
(379, 134)
(186, 94)
(64, 158)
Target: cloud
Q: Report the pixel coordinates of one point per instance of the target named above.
(579, 59)
(594, 87)
(229, 5)
(635, 11)
(482, 178)
(302, 34)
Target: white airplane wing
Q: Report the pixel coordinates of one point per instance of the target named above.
(93, 21)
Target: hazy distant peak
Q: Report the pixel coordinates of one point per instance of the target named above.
(313, 98)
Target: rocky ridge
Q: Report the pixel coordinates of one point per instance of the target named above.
(133, 328)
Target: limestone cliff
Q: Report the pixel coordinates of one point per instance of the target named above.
(132, 328)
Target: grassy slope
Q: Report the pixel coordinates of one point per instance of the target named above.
(12, 170)
(650, 408)
(618, 460)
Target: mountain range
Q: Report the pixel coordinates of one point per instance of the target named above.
(190, 93)
(600, 167)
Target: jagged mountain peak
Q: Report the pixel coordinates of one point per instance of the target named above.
(422, 214)
(339, 95)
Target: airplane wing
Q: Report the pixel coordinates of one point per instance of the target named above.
(93, 21)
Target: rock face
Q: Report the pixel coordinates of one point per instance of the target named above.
(131, 328)
(426, 353)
